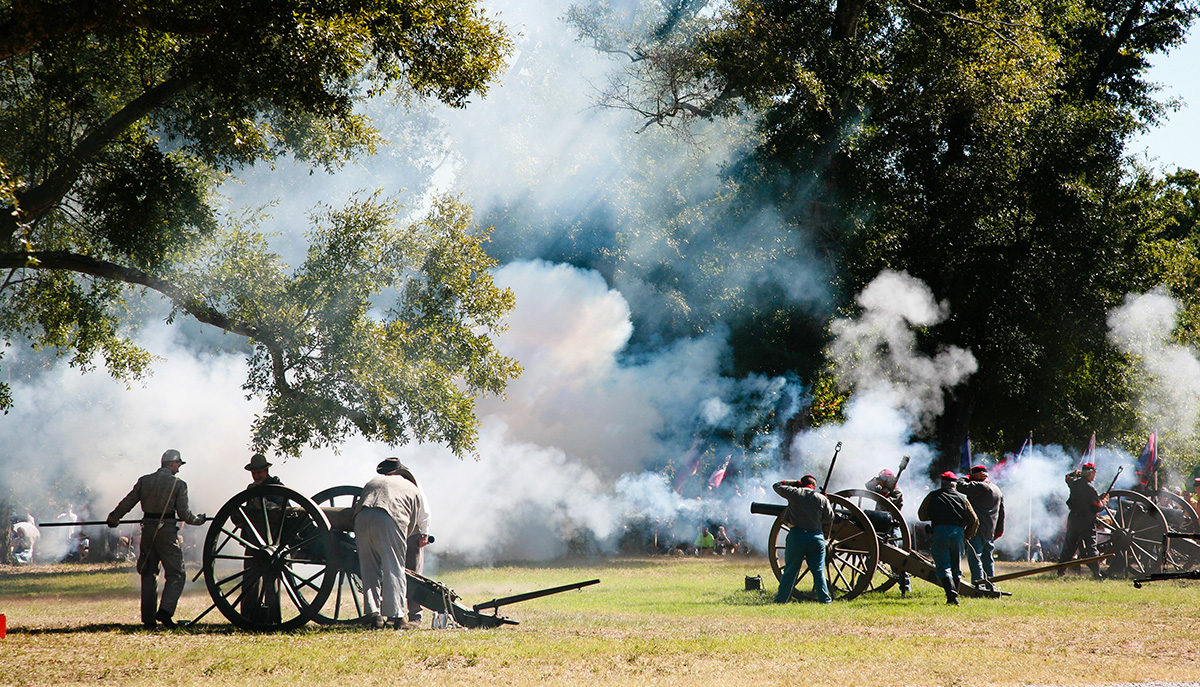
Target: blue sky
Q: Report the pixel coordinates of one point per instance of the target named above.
(1176, 142)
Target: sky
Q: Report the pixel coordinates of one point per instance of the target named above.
(1176, 142)
(572, 454)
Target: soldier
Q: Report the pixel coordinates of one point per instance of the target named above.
(386, 514)
(988, 503)
(808, 514)
(952, 519)
(414, 548)
(885, 484)
(260, 471)
(164, 500)
(1083, 505)
(261, 599)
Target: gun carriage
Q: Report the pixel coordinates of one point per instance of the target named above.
(274, 559)
(869, 547)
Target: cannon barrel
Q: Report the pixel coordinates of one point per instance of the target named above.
(772, 509)
(517, 598)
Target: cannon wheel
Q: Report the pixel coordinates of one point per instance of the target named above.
(900, 537)
(851, 551)
(268, 545)
(346, 601)
(1132, 528)
(1182, 554)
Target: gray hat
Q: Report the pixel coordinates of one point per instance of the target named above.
(258, 462)
(170, 456)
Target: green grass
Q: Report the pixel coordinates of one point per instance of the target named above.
(650, 621)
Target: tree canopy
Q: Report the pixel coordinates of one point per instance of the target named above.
(120, 118)
(978, 146)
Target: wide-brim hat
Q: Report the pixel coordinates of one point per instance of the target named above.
(171, 456)
(258, 462)
(393, 466)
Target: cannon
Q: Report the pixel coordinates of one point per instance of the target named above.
(1134, 529)
(870, 546)
(274, 559)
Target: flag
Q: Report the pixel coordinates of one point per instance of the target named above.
(1010, 459)
(1089, 456)
(1026, 447)
(714, 480)
(691, 465)
(964, 460)
(1148, 461)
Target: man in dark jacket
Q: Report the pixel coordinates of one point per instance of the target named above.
(952, 519)
(988, 503)
(808, 514)
(1083, 504)
(261, 599)
(164, 501)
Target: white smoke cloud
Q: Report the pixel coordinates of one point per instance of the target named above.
(896, 388)
(1142, 327)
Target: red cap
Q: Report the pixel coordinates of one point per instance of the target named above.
(949, 475)
(978, 468)
(1088, 466)
(886, 473)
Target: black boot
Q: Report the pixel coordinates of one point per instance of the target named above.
(951, 592)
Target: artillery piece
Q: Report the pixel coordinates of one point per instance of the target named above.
(274, 559)
(1134, 527)
(870, 546)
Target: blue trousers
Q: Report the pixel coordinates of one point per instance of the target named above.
(980, 558)
(946, 545)
(803, 546)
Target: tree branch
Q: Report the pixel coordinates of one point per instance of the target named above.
(194, 306)
(34, 202)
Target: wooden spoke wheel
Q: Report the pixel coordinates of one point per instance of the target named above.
(1132, 528)
(890, 528)
(345, 604)
(1181, 517)
(851, 552)
(266, 559)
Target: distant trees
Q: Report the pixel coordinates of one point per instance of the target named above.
(979, 146)
(118, 120)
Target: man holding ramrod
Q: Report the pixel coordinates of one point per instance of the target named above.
(164, 501)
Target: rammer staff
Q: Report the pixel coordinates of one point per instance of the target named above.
(836, 450)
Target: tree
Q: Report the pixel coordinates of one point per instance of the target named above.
(975, 145)
(118, 121)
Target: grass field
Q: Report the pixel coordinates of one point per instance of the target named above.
(651, 621)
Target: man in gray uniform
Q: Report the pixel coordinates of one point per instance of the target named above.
(164, 501)
(386, 514)
(808, 514)
(988, 503)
